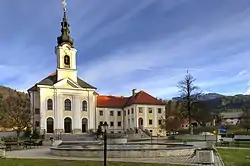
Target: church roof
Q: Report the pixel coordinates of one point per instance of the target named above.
(121, 102)
(52, 79)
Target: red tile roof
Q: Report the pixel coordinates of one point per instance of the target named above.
(144, 98)
(120, 102)
(111, 101)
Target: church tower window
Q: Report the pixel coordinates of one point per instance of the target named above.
(67, 105)
(49, 104)
(66, 60)
(84, 105)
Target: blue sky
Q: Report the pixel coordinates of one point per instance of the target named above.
(142, 44)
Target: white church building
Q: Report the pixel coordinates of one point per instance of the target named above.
(64, 103)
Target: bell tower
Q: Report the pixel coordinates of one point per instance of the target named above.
(65, 51)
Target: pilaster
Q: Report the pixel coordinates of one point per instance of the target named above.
(42, 110)
(76, 114)
(91, 110)
(59, 121)
(155, 120)
(145, 115)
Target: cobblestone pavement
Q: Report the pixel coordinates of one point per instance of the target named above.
(44, 153)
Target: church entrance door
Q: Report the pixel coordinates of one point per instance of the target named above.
(67, 125)
(50, 125)
(84, 125)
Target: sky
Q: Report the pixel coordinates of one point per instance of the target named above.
(124, 44)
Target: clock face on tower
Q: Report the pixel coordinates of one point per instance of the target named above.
(66, 51)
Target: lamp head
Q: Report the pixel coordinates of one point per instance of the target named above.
(105, 125)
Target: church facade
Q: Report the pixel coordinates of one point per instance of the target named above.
(64, 103)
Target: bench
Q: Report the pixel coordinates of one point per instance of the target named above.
(10, 144)
(237, 142)
(222, 142)
(34, 143)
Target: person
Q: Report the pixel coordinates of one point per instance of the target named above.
(51, 140)
(232, 136)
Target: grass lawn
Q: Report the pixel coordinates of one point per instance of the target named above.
(235, 157)
(47, 162)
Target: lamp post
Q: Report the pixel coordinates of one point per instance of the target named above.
(105, 126)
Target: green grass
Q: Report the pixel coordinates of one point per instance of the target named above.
(235, 157)
(47, 162)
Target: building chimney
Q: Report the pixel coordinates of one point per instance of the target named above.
(133, 92)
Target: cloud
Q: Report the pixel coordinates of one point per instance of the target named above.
(132, 44)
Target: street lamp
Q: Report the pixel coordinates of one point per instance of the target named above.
(105, 126)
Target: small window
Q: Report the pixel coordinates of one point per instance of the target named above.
(84, 105)
(159, 122)
(150, 131)
(101, 113)
(67, 105)
(119, 132)
(37, 124)
(119, 124)
(111, 123)
(132, 110)
(66, 60)
(49, 104)
(111, 113)
(159, 110)
(119, 113)
(128, 111)
(112, 132)
(150, 110)
(37, 111)
(140, 110)
(150, 122)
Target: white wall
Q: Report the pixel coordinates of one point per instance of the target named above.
(198, 137)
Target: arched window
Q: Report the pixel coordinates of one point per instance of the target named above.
(66, 60)
(67, 105)
(49, 104)
(84, 105)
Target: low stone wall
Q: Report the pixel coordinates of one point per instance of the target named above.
(9, 134)
(122, 153)
(117, 140)
(198, 137)
(242, 137)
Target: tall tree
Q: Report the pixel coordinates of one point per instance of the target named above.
(16, 112)
(189, 95)
(245, 119)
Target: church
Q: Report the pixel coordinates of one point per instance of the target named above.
(63, 103)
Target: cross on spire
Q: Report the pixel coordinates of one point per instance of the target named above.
(64, 3)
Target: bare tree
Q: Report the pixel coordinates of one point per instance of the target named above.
(189, 95)
(16, 112)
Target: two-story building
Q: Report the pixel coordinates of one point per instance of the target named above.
(64, 103)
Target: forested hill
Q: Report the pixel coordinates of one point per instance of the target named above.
(217, 102)
(6, 91)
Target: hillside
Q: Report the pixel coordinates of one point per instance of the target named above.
(217, 102)
(6, 91)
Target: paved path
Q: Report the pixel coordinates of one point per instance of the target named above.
(44, 153)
